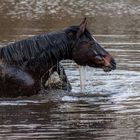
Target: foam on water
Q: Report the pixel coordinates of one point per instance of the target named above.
(120, 84)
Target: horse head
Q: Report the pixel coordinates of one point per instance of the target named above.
(87, 51)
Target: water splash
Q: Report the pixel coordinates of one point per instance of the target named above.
(82, 70)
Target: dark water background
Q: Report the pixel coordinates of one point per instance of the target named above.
(110, 107)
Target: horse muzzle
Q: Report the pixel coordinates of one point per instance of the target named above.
(110, 64)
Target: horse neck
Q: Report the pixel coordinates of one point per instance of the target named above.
(61, 49)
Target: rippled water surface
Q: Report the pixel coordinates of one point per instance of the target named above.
(109, 109)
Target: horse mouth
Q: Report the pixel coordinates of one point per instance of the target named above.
(109, 68)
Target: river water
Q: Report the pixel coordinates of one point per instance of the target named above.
(109, 108)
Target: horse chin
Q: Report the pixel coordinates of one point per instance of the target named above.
(107, 69)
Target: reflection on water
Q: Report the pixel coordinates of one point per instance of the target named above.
(109, 109)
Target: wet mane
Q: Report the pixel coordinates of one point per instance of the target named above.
(51, 45)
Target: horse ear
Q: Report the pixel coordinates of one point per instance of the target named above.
(82, 27)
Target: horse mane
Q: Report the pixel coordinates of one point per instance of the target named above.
(48, 45)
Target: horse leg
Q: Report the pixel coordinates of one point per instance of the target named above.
(62, 75)
(15, 82)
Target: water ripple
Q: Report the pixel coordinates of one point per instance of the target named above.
(33, 9)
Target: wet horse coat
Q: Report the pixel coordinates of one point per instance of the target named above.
(24, 64)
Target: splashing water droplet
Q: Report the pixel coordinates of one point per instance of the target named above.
(82, 70)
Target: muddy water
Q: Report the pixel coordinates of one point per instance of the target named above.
(110, 107)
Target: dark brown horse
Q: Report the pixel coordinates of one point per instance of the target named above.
(24, 64)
